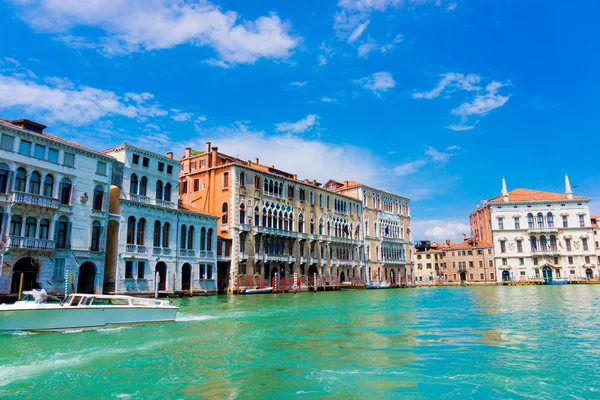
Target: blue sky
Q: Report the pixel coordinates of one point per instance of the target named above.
(432, 99)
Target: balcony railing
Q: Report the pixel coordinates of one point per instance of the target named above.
(394, 261)
(392, 239)
(18, 242)
(245, 227)
(303, 260)
(187, 253)
(135, 248)
(275, 232)
(139, 198)
(165, 203)
(34, 200)
(549, 250)
(224, 228)
(206, 254)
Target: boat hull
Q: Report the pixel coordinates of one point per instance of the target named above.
(259, 291)
(374, 287)
(57, 317)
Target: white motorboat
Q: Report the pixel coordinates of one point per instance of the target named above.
(33, 313)
(259, 290)
(378, 285)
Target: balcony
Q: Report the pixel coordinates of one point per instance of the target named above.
(303, 260)
(399, 261)
(276, 257)
(187, 253)
(165, 203)
(275, 232)
(139, 198)
(206, 254)
(17, 242)
(546, 229)
(393, 240)
(224, 228)
(245, 227)
(323, 261)
(34, 200)
(134, 248)
(244, 255)
(553, 250)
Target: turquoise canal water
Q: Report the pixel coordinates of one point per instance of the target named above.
(488, 342)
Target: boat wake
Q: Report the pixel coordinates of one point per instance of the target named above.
(188, 318)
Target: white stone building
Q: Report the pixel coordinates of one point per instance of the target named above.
(53, 211)
(542, 235)
(150, 234)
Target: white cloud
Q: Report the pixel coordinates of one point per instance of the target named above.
(451, 80)
(299, 126)
(299, 83)
(409, 168)
(358, 31)
(391, 152)
(460, 127)
(371, 45)
(438, 230)
(453, 147)
(440, 155)
(328, 100)
(56, 101)
(130, 26)
(180, 116)
(451, 7)
(12, 61)
(377, 83)
(327, 53)
(483, 103)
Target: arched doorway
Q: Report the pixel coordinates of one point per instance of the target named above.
(342, 277)
(27, 267)
(186, 276)
(505, 276)
(312, 273)
(87, 278)
(547, 272)
(463, 277)
(161, 268)
(589, 273)
(392, 276)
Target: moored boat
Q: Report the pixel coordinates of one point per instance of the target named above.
(378, 285)
(33, 313)
(259, 290)
(351, 286)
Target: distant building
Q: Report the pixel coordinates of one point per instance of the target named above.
(386, 222)
(53, 211)
(150, 236)
(595, 219)
(470, 262)
(481, 223)
(429, 261)
(542, 235)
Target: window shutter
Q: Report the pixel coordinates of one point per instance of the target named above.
(68, 236)
(73, 195)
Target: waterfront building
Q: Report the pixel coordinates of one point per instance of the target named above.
(53, 211)
(429, 261)
(386, 222)
(151, 238)
(595, 220)
(470, 262)
(272, 224)
(542, 235)
(481, 223)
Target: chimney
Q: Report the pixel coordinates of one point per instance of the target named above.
(256, 161)
(484, 202)
(345, 183)
(447, 242)
(464, 237)
(213, 156)
(295, 177)
(207, 148)
(504, 191)
(188, 152)
(170, 154)
(477, 206)
(568, 191)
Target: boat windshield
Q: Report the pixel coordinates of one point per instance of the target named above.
(27, 297)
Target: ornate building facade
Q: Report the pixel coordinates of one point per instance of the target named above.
(542, 235)
(152, 240)
(53, 210)
(386, 228)
(272, 224)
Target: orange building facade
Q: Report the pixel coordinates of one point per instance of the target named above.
(480, 221)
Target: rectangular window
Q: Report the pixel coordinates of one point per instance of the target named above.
(555, 260)
(7, 142)
(128, 269)
(52, 155)
(69, 159)
(517, 223)
(209, 271)
(584, 243)
(146, 162)
(39, 151)
(184, 188)
(58, 272)
(428, 265)
(572, 272)
(193, 165)
(568, 244)
(25, 147)
(161, 166)
(169, 169)
(535, 261)
(141, 272)
(101, 168)
(135, 159)
(522, 273)
(196, 184)
(565, 220)
(521, 261)
(503, 246)
(471, 276)
(225, 180)
(500, 223)
(202, 163)
(470, 264)
(570, 260)
(481, 276)
(582, 221)
(491, 275)
(505, 261)
(519, 246)
(453, 264)
(587, 259)
(491, 263)
(480, 264)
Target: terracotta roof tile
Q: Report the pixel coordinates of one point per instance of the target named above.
(532, 195)
(468, 245)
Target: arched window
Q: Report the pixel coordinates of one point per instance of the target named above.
(533, 242)
(266, 186)
(242, 179)
(550, 220)
(256, 216)
(209, 239)
(35, 181)
(48, 186)
(30, 225)
(257, 182)
(4, 176)
(203, 239)
(141, 231)
(290, 191)
(159, 190)
(95, 245)
(143, 186)
(65, 191)
(540, 220)
(328, 203)
(133, 184)
(167, 196)
(320, 226)
(312, 197)
(553, 242)
(280, 189)
(312, 226)
(165, 234)
(271, 187)
(156, 241)
(44, 228)
(242, 213)
(62, 233)
(98, 198)
(190, 243)
(543, 243)
(530, 221)
(131, 230)
(182, 236)
(320, 200)
(225, 214)
(301, 223)
(20, 180)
